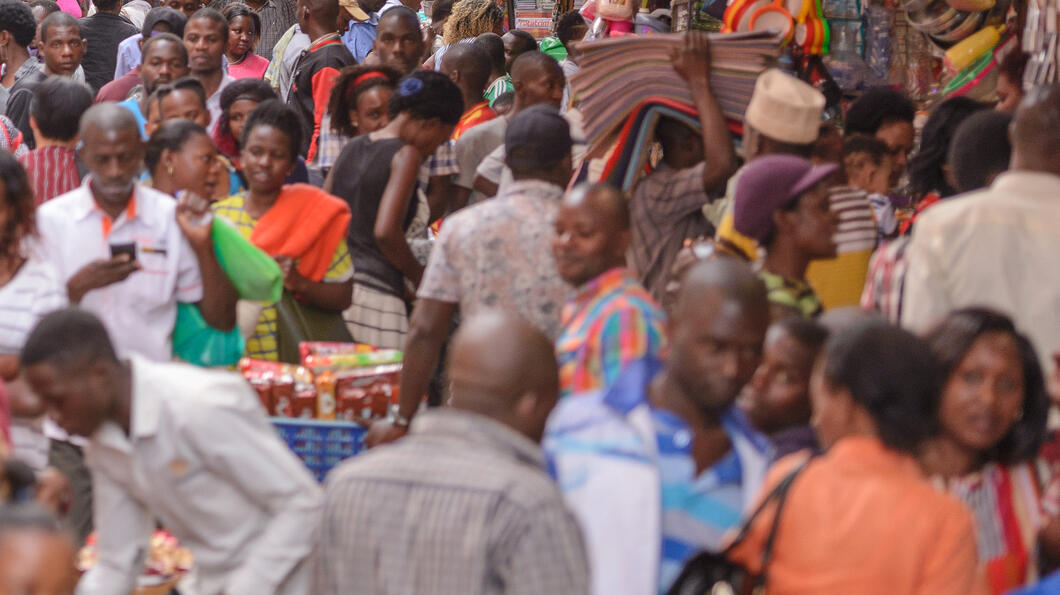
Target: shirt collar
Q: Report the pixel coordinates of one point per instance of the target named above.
(324, 40)
(606, 282)
(478, 431)
(536, 188)
(1028, 183)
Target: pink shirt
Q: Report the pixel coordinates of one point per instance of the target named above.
(71, 7)
(252, 67)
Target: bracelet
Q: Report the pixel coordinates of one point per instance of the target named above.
(401, 421)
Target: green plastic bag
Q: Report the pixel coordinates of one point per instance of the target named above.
(198, 343)
(553, 47)
(255, 275)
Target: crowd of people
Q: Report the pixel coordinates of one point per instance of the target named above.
(819, 357)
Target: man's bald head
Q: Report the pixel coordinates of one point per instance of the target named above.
(728, 277)
(502, 367)
(471, 64)
(107, 117)
(533, 63)
(1036, 132)
(592, 233)
(603, 199)
(324, 13)
(537, 79)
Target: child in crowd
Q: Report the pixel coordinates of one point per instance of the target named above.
(869, 165)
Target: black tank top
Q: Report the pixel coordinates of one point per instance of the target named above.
(362, 172)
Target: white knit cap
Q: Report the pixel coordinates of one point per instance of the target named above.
(784, 108)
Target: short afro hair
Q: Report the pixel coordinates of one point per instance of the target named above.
(58, 104)
(568, 25)
(17, 19)
(980, 149)
(877, 107)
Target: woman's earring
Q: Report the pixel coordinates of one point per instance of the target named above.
(169, 170)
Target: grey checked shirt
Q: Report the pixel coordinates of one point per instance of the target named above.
(462, 505)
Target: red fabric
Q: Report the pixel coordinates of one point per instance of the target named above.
(119, 89)
(928, 200)
(305, 224)
(478, 114)
(323, 81)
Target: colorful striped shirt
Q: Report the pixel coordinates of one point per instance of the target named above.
(611, 322)
(52, 171)
(263, 343)
(478, 114)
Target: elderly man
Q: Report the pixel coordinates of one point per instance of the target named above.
(505, 531)
(189, 447)
(612, 320)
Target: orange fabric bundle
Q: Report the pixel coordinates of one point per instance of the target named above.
(305, 224)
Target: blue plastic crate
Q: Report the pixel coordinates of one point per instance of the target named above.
(320, 444)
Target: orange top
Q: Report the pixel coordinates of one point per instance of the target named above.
(306, 224)
(863, 519)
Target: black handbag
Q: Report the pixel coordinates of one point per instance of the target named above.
(297, 322)
(709, 573)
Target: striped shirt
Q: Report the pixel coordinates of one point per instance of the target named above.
(263, 343)
(610, 322)
(34, 291)
(51, 171)
(666, 208)
(838, 281)
(886, 280)
(1006, 505)
(425, 516)
(625, 465)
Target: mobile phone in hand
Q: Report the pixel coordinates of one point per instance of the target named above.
(126, 248)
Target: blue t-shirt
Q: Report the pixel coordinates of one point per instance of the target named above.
(133, 105)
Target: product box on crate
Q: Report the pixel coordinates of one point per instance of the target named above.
(320, 444)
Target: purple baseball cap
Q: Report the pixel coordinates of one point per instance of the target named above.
(770, 183)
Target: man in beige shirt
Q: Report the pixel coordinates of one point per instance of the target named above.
(997, 247)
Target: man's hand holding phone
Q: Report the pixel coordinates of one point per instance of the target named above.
(101, 273)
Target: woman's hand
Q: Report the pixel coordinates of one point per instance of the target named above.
(195, 220)
(293, 281)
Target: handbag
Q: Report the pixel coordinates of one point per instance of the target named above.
(297, 322)
(709, 573)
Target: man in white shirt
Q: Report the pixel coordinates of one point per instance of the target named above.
(168, 256)
(189, 447)
(996, 247)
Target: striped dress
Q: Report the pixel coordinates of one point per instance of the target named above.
(1006, 505)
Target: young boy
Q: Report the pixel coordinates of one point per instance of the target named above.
(868, 164)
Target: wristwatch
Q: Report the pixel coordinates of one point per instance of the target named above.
(401, 421)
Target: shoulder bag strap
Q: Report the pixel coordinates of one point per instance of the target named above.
(781, 492)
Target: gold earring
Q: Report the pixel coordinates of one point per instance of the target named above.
(170, 170)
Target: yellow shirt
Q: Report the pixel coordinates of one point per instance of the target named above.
(262, 344)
